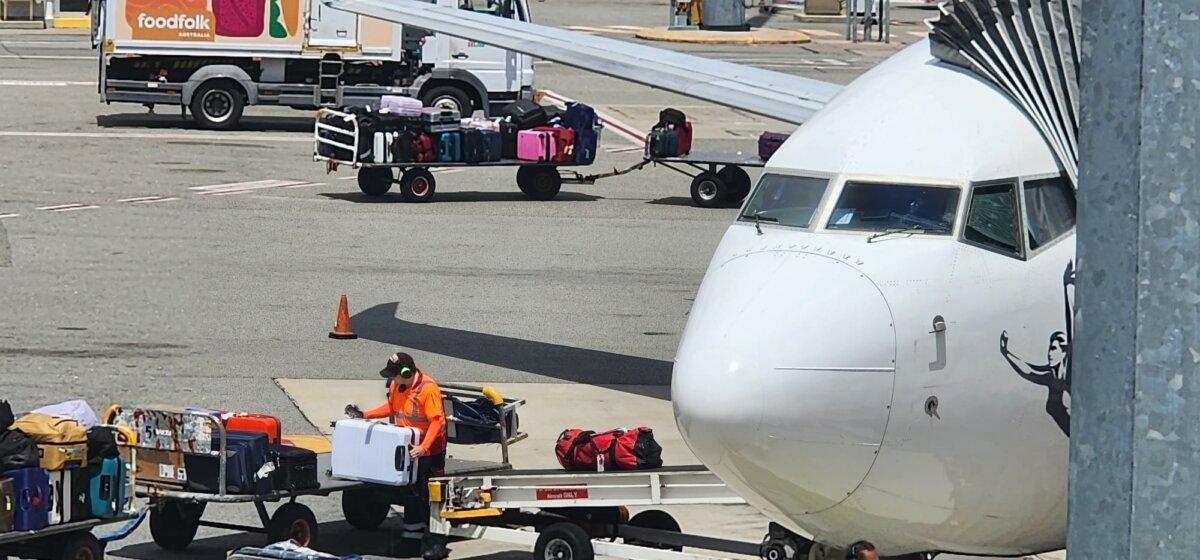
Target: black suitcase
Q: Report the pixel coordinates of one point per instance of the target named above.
(671, 116)
(295, 469)
(508, 140)
(402, 146)
(473, 148)
(663, 143)
(526, 115)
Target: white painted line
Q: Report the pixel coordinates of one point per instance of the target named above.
(585, 28)
(629, 27)
(150, 199)
(633, 135)
(304, 185)
(350, 178)
(43, 83)
(626, 149)
(139, 198)
(9, 215)
(60, 206)
(152, 136)
(68, 207)
(87, 207)
(273, 184)
(445, 170)
(240, 185)
(46, 57)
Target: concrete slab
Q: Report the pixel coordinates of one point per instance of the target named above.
(759, 36)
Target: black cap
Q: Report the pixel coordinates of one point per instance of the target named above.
(400, 364)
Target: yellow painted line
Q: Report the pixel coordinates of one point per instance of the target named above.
(72, 22)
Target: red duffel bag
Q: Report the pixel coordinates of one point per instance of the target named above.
(616, 450)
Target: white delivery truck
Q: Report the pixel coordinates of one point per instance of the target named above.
(215, 57)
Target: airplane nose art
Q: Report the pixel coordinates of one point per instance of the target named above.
(783, 380)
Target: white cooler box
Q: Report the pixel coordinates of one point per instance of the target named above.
(374, 452)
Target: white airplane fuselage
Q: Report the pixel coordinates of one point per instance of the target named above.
(808, 377)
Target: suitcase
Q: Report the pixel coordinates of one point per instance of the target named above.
(374, 452)
(106, 488)
(579, 116)
(260, 423)
(663, 143)
(246, 454)
(437, 119)
(61, 442)
(769, 142)
(525, 114)
(535, 145)
(473, 150)
(564, 139)
(685, 138)
(8, 503)
(449, 147)
(401, 105)
(295, 469)
(31, 487)
(508, 140)
(77, 410)
(481, 124)
(671, 117)
(68, 497)
(586, 141)
(402, 146)
(493, 148)
(422, 148)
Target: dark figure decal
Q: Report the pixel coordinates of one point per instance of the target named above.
(1055, 374)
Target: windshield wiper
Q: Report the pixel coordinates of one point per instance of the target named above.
(889, 231)
(758, 217)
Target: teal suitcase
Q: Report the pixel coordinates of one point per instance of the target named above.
(106, 490)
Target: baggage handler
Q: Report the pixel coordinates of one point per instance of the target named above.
(862, 550)
(414, 400)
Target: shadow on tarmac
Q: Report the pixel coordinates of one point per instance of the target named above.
(459, 196)
(595, 367)
(687, 201)
(173, 120)
(334, 537)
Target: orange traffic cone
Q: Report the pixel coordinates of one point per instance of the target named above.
(341, 327)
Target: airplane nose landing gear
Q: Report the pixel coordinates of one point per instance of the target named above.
(782, 544)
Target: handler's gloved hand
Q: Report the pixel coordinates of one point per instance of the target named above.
(353, 411)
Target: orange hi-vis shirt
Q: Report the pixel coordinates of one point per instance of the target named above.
(419, 406)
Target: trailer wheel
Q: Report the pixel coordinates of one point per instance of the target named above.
(658, 520)
(218, 105)
(539, 183)
(362, 510)
(563, 541)
(417, 185)
(81, 545)
(375, 181)
(708, 190)
(449, 97)
(737, 181)
(293, 522)
(173, 524)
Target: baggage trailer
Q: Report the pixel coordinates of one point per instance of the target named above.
(717, 177)
(579, 515)
(67, 541)
(537, 180)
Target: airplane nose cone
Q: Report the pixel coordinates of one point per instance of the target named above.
(783, 380)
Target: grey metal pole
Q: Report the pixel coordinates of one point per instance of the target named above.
(1135, 399)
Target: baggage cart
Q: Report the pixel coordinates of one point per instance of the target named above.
(579, 515)
(68, 541)
(537, 180)
(176, 513)
(717, 177)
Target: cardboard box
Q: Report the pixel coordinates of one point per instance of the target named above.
(162, 467)
(823, 7)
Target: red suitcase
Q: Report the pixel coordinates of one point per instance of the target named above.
(685, 138)
(259, 423)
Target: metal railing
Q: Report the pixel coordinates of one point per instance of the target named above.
(869, 17)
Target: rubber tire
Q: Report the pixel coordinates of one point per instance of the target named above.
(173, 524)
(236, 99)
(578, 545)
(737, 182)
(539, 183)
(375, 181)
(708, 190)
(82, 545)
(293, 520)
(655, 519)
(460, 97)
(410, 184)
(362, 511)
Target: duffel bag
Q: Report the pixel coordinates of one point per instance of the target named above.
(624, 450)
(769, 143)
(17, 451)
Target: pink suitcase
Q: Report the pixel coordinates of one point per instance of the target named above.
(536, 145)
(401, 105)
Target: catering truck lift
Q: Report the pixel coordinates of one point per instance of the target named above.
(215, 57)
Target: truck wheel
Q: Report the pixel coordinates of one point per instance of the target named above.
(218, 105)
(563, 541)
(655, 519)
(293, 522)
(80, 546)
(362, 510)
(375, 181)
(417, 185)
(708, 190)
(173, 524)
(737, 181)
(448, 97)
(539, 183)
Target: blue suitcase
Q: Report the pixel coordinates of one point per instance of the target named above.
(492, 145)
(449, 146)
(585, 144)
(106, 488)
(246, 453)
(31, 487)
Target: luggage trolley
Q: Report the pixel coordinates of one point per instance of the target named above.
(538, 180)
(579, 515)
(717, 177)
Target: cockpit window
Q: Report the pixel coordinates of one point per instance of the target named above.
(1049, 210)
(787, 200)
(885, 207)
(992, 220)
